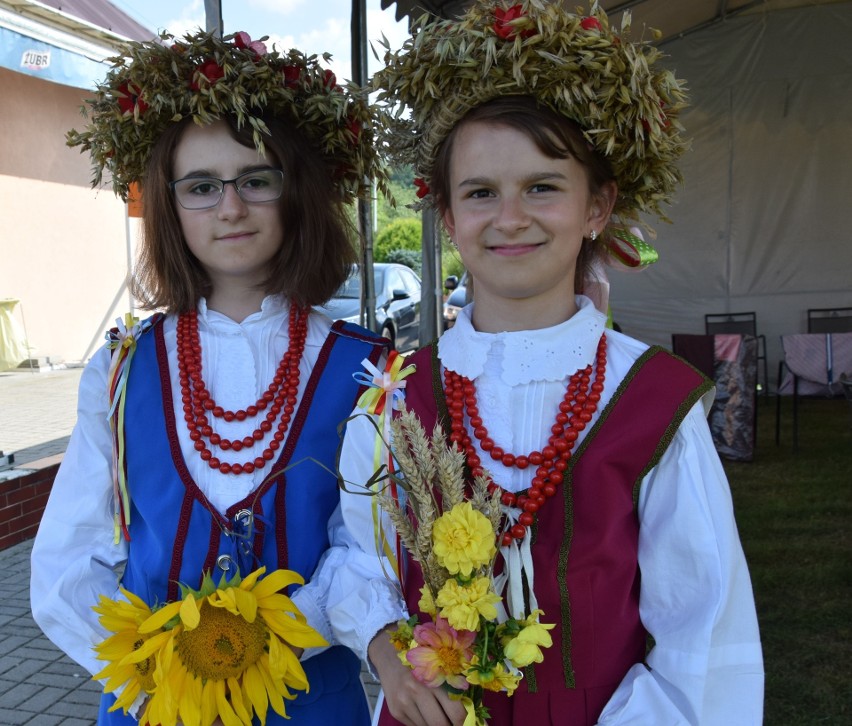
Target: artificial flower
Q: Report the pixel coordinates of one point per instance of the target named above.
(130, 100)
(463, 604)
(525, 647)
(207, 74)
(441, 655)
(506, 25)
(243, 41)
(463, 539)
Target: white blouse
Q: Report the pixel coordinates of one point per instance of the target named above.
(74, 558)
(695, 600)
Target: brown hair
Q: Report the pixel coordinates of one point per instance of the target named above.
(555, 136)
(316, 254)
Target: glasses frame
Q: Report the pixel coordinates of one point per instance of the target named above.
(224, 182)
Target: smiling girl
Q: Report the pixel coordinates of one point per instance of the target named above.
(537, 132)
(217, 418)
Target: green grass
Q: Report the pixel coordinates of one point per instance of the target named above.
(794, 509)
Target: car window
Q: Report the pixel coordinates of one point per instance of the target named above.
(351, 288)
(412, 284)
(394, 281)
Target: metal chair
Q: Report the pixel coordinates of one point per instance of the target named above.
(744, 324)
(830, 320)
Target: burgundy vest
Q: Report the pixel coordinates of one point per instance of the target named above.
(585, 542)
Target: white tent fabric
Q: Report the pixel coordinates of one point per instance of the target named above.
(761, 222)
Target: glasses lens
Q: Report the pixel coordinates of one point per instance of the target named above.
(198, 193)
(264, 185)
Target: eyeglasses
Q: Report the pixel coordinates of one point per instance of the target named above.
(254, 187)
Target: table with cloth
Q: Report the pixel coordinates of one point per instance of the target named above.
(813, 365)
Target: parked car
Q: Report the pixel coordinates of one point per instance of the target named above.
(456, 300)
(398, 291)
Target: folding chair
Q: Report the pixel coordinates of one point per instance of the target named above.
(744, 324)
(830, 320)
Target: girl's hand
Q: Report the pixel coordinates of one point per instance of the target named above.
(408, 700)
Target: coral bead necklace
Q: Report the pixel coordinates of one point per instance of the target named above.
(279, 397)
(575, 411)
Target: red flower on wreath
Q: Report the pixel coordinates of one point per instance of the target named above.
(210, 71)
(243, 41)
(354, 126)
(590, 24)
(504, 24)
(329, 80)
(422, 188)
(130, 99)
(292, 76)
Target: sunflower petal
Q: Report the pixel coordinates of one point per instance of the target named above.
(238, 701)
(223, 705)
(147, 649)
(158, 619)
(275, 699)
(189, 613)
(256, 691)
(208, 703)
(249, 580)
(190, 702)
(275, 581)
(246, 604)
(292, 631)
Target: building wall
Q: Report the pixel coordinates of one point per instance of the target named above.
(64, 247)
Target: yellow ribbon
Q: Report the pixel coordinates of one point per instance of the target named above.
(384, 395)
(122, 341)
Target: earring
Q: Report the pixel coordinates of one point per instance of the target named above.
(594, 235)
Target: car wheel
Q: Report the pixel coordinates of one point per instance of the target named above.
(387, 332)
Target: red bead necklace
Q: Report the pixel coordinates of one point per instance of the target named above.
(575, 411)
(279, 397)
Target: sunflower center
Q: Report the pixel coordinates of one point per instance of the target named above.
(144, 668)
(222, 646)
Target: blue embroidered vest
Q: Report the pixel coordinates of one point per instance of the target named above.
(177, 535)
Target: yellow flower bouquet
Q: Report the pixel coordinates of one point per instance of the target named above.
(222, 651)
(471, 645)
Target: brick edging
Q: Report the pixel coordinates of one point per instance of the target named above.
(22, 502)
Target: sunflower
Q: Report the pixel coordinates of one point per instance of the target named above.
(123, 618)
(225, 651)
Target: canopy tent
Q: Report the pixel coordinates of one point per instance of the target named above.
(760, 222)
(63, 42)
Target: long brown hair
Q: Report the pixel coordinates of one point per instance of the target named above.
(555, 136)
(316, 254)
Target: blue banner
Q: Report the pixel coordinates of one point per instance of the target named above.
(43, 60)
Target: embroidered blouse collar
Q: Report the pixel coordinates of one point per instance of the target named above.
(271, 306)
(547, 354)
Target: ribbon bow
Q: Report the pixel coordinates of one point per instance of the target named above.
(121, 340)
(384, 386)
(384, 395)
(629, 248)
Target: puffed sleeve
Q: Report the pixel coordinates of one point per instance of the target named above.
(365, 594)
(74, 558)
(696, 601)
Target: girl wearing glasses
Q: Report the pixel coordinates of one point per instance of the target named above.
(535, 131)
(206, 433)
